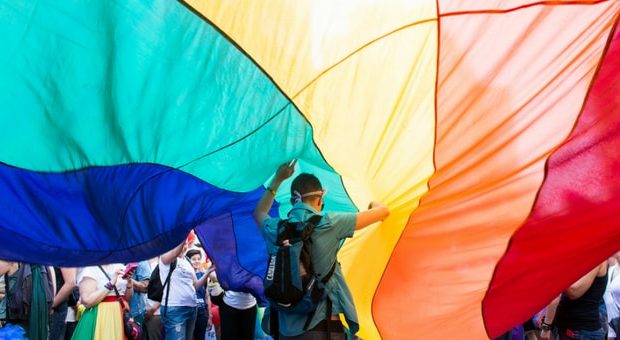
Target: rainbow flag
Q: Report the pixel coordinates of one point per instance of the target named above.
(490, 128)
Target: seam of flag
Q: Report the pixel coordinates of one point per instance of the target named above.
(517, 8)
(387, 265)
(173, 231)
(264, 72)
(359, 49)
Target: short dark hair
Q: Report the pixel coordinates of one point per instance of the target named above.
(193, 252)
(305, 183)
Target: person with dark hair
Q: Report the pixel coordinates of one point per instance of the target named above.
(28, 295)
(178, 311)
(307, 197)
(202, 299)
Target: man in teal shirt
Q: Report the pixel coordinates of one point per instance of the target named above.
(307, 199)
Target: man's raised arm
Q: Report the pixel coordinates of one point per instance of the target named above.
(261, 212)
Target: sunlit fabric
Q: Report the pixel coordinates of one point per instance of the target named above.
(490, 129)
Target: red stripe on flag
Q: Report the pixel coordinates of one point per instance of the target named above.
(575, 221)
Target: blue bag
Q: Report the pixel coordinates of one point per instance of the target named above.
(291, 285)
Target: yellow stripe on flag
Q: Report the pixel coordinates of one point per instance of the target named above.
(364, 76)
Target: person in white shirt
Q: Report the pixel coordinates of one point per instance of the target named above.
(102, 318)
(238, 316)
(237, 312)
(178, 310)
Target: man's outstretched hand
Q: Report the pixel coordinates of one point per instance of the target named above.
(376, 204)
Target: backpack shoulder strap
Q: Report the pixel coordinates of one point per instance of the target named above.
(285, 231)
(314, 219)
(118, 295)
(173, 265)
(329, 274)
(310, 224)
(166, 285)
(282, 223)
(306, 234)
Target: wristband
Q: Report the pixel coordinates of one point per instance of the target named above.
(545, 326)
(273, 192)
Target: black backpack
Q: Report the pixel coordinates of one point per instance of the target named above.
(291, 283)
(19, 298)
(155, 289)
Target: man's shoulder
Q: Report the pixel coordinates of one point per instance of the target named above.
(343, 223)
(337, 217)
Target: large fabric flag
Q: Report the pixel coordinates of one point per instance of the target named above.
(490, 128)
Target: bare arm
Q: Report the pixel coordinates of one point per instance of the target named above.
(551, 308)
(377, 212)
(129, 290)
(151, 310)
(140, 286)
(200, 282)
(68, 275)
(52, 274)
(168, 257)
(211, 273)
(577, 289)
(90, 294)
(549, 317)
(7, 267)
(209, 313)
(261, 212)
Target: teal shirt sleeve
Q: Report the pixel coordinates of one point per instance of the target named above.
(269, 230)
(343, 223)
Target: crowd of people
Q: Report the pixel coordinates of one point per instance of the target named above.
(86, 303)
(177, 295)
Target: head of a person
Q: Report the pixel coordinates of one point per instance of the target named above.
(307, 188)
(195, 257)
